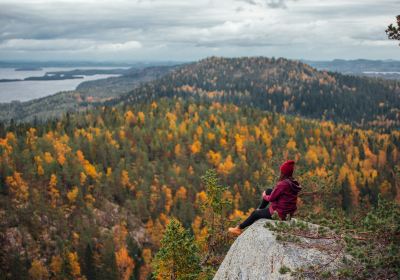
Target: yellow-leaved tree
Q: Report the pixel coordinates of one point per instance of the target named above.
(73, 264)
(124, 262)
(19, 189)
(53, 192)
(38, 271)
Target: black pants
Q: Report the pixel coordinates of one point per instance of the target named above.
(262, 212)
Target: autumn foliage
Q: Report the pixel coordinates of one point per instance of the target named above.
(82, 188)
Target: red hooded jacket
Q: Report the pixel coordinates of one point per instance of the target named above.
(283, 198)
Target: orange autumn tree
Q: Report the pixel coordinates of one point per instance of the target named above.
(168, 198)
(227, 166)
(18, 188)
(74, 267)
(53, 192)
(55, 266)
(38, 271)
(195, 147)
(125, 263)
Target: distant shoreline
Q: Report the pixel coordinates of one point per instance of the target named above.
(10, 80)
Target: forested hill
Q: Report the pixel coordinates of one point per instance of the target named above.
(282, 85)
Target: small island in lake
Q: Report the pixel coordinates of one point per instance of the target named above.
(29, 69)
(53, 77)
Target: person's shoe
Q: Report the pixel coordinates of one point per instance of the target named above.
(235, 230)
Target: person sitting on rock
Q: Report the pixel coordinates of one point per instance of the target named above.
(283, 199)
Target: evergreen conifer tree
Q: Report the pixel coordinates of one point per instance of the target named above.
(178, 257)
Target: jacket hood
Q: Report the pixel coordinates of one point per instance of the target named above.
(294, 185)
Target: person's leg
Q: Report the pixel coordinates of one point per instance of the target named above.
(254, 216)
(261, 213)
(264, 203)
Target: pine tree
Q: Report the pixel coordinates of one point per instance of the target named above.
(393, 31)
(89, 269)
(215, 210)
(178, 257)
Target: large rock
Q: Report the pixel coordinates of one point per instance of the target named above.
(257, 255)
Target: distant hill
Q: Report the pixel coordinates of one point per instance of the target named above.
(283, 86)
(356, 66)
(386, 69)
(114, 86)
(278, 85)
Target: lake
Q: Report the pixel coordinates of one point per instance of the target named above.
(28, 90)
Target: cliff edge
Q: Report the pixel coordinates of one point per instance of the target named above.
(257, 255)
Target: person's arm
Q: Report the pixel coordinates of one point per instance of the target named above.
(275, 193)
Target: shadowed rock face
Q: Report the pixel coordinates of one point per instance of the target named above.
(256, 255)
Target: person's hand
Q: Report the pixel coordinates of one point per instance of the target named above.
(265, 196)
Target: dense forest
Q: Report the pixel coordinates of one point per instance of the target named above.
(283, 86)
(90, 195)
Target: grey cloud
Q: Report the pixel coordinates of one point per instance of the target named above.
(174, 28)
(83, 24)
(252, 2)
(351, 11)
(241, 43)
(274, 4)
(371, 34)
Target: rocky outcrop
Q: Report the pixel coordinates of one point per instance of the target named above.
(257, 255)
(111, 214)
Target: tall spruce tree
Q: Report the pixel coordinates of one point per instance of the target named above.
(178, 257)
(215, 211)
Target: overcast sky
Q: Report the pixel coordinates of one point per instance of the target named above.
(132, 30)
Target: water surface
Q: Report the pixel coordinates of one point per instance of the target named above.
(28, 90)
